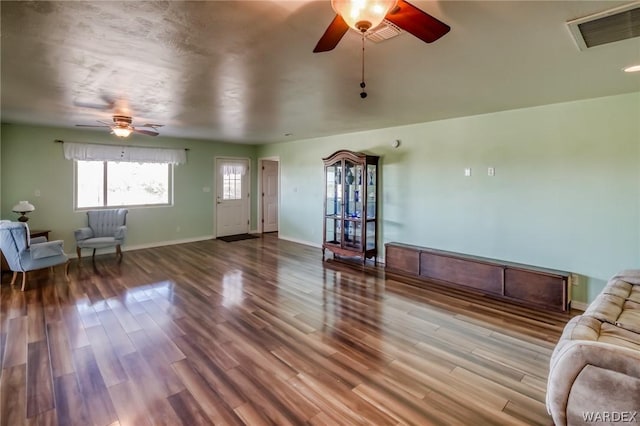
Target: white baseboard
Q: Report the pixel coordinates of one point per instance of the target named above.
(150, 245)
(303, 242)
(581, 306)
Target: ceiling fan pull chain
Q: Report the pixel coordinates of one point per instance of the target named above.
(363, 94)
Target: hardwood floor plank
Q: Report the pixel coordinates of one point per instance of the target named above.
(93, 388)
(129, 404)
(16, 346)
(119, 339)
(213, 373)
(13, 395)
(60, 350)
(106, 358)
(46, 418)
(187, 409)
(155, 364)
(36, 328)
(263, 331)
(214, 407)
(40, 396)
(70, 407)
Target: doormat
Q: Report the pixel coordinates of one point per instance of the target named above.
(239, 237)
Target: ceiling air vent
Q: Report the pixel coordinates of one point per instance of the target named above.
(620, 23)
(384, 31)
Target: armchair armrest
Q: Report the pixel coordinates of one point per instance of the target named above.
(584, 367)
(48, 249)
(121, 233)
(38, 240)
(83, 233)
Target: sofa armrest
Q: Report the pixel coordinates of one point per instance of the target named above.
(48, 249)
(121, 233)
(83, 233)
(589, 376)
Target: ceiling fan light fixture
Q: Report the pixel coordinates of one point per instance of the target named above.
(362, 15)
(122, 132)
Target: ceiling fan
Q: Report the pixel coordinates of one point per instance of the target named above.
(365, 15)
(122, 126)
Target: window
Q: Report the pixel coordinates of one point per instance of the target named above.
(232, 186)
(113, 184)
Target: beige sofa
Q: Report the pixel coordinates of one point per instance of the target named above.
(594, 375)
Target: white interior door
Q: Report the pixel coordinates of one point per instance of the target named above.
(232, 196)
(269, 196)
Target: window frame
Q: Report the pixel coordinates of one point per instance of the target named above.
(105, 186)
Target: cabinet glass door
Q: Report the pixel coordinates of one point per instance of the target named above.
(332, 231)
(371, 191)
(352, 234)
(334, 190)
(352, 190)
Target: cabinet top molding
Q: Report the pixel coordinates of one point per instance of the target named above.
(352, 155)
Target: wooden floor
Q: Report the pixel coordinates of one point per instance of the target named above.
(263, 332)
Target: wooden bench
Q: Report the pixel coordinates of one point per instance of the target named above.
(525, 284)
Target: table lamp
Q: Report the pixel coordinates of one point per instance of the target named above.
(23, 207)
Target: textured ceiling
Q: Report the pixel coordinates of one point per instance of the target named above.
(244, 71)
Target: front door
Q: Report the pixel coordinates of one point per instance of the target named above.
(232, 196)
(269, 196)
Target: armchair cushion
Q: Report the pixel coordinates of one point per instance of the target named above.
(38, 240)
(100, 242)
(83, 233)
(47, 249)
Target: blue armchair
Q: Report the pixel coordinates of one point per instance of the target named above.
(106, 228)
(24, 254)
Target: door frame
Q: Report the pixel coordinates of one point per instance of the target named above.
(215, 190)
(261, 190)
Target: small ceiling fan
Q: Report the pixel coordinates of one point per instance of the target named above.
(365, 15)
(122, 126)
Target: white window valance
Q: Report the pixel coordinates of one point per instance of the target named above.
(233, 168)
(131, 154)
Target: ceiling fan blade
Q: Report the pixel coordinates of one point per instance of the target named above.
(332, 36)
(419, 23)
(91, 125)
(146, 132)
(153, 126)
(108, 104)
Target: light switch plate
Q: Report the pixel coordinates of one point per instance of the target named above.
(467, 171)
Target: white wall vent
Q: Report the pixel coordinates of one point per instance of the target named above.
(384, 31)
(620, 23)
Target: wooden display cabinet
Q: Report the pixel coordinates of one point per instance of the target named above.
(350, 205)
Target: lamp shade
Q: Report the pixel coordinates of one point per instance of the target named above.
(362, 15)
(122, 132)
(23, 207)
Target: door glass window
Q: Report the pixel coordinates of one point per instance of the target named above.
(231, 186)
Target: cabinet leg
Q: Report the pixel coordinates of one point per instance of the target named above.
(322, 253)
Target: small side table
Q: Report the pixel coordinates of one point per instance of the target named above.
(39, 233)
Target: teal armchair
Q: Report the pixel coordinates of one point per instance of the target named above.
(24, 254)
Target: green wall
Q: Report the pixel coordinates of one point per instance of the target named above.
(565, 195)
(32, 161)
